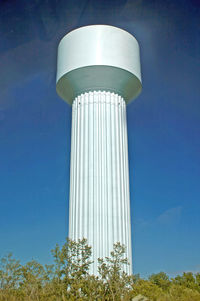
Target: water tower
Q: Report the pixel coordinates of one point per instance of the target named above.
(98, 73)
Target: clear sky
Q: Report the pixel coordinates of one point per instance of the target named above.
(163, 129)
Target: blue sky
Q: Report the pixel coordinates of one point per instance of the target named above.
(163, 129)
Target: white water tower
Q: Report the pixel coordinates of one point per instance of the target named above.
(98, 73)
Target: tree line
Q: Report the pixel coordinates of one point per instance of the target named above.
(68, 278)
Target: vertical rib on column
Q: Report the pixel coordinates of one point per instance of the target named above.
(99, 177)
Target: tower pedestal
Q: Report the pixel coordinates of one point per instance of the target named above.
(99, 177)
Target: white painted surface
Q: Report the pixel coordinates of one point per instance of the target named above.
(99, 177)
(98, 57)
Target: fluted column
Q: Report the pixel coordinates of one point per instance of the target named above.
(99, 177)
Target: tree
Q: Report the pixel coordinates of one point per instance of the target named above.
(35, 278)
(187, 280)
(161, 280)
(147, 289)
(115, 281)
(72, 263)
(10, 272)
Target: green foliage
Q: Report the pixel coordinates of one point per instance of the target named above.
(147, 289)
(72, 263)
(115, 281)
(69, 279)
(161, 280)
(10, 272)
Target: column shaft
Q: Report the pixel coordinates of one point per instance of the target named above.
(99, 177)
